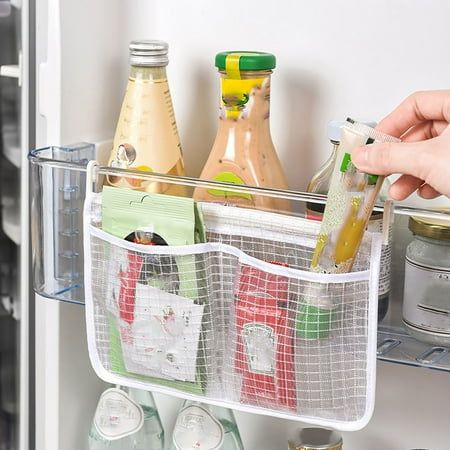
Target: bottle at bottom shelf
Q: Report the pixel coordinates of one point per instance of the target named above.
(205, 427)
(315, 439)
(126, 419)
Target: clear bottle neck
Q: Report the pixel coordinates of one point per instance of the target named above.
(320, 182)
(148, 73)
(245, 99)
(333, 155)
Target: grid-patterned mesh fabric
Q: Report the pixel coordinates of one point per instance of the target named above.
(236, 320)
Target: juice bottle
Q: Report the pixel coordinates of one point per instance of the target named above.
(320, 184)
(243, 151)
(146, 136)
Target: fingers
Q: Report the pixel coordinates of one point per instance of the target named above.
(408, 184)
(417, 108)
(428, 192)
(410, 158)
(404, 187)
(425, 130)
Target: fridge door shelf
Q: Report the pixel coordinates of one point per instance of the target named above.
(58, 187)
(396, 345)
(193, 360)
(58, 178)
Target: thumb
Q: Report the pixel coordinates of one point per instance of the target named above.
(392, 157)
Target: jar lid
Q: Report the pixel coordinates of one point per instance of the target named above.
(149, 53)
(317, 439)
(334, 128)
(430, 228)
(248, 60)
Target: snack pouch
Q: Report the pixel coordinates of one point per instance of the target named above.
(153, 219)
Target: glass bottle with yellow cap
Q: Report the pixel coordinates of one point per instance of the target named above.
(146, 136)
(243, 151)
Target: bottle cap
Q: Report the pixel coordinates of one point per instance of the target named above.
(334, 129)
(149, 53)
(317, 438)
(247, 60)
(430, 228)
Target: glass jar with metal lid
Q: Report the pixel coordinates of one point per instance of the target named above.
(426, 298)
(317, 439)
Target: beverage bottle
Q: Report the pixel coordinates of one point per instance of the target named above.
(243, 151)
(126, 419)
(146, 136)
(205, 427)
(320, 184)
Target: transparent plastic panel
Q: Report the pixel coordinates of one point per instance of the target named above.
(58, 178)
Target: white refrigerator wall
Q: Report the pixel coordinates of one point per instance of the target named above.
(335, 59)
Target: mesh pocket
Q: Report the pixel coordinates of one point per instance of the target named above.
(238, 321)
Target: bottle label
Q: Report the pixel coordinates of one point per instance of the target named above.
(426, 297)
(384, 285)
(260, 345)
(146, 136)
(238, 96)
(229, 177)
(197, 429)
(117, 415)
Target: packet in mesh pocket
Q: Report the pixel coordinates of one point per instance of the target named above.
(265, 350)
(350, 202)
(150, 293)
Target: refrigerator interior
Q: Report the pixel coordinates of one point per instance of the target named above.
(13, 143)
(333, 60)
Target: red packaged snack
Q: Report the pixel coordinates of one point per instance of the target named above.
(127, 292)
(264, 351)
(137, 268)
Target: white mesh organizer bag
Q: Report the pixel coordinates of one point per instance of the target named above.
(218, 321)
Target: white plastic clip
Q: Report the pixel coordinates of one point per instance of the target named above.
(91, 176)
(388, 221)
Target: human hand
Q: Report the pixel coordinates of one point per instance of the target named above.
(423, 158)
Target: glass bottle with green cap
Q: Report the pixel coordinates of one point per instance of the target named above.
(243, 151)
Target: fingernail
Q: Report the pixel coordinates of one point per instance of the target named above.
(360, 156)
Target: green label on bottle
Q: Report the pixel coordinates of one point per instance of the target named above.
(229, 177)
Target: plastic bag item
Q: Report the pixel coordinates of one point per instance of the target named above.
(350, 202)
(264, 352)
